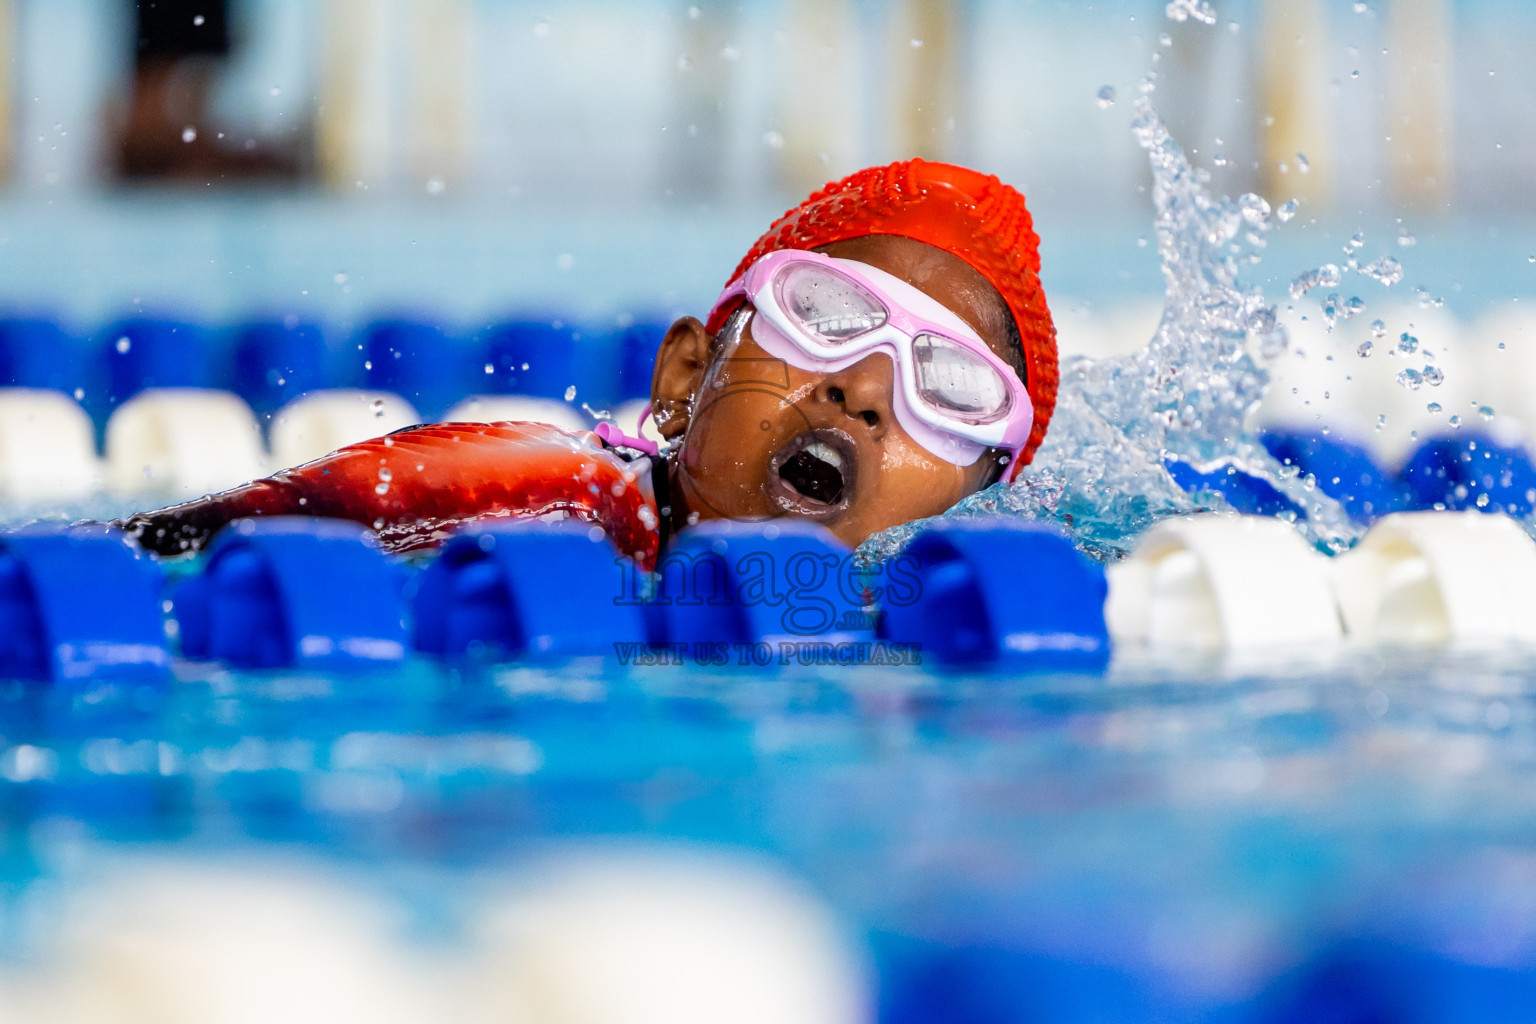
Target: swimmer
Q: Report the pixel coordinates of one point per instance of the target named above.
(883, 351)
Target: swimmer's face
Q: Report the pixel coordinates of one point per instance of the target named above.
(761, 439)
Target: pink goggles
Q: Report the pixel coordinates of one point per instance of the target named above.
(953, 395)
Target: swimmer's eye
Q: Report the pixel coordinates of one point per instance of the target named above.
(835, 394)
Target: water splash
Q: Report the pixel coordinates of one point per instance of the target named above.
(1186, 396)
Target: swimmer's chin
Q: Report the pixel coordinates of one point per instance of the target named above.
(814, 475)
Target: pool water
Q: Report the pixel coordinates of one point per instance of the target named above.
(1197, 837)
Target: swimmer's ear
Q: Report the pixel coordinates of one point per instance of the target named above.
(680, 367)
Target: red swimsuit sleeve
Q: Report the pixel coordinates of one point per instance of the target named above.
(415, 486)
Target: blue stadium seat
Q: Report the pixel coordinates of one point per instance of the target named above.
(1467, 472)
(79, 604)
(997, 594)
(417, 360)
(528, 589)
(290, 592)
(544, 358)
(275, 361)
(1344, 471)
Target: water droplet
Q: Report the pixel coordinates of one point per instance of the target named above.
(1482, 500)
(541, 28)
(1485, 411)
(1325, 276)
(1386, 270)
(79, 394)
(1407, 343)
(1287, 210)
(124, 343)
(1364, 349)
(1106, 97)
(1255, 208)
(1183, 10)
(564, 262)
(189, 134)
(1360, 8)
(1378, 328)
(1433, 375)
(339, 277)
(276, 90)
(1331, 305)
(1355, 244)
(1352, 308)
(1410, 378)
(917, 44)
(1454, 421)
(1406, 240)
(1303, 164)
(382, 488)
(385, 475)
(377, 405)
(489, 368)
(435, 186)
(570, 393)
(1434, 408)
(198, 20)
(773, 140)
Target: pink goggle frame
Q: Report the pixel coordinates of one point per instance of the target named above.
(953, 395)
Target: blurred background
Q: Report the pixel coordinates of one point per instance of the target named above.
(471, 157)
(235, 235)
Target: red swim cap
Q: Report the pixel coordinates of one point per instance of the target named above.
(968, 214)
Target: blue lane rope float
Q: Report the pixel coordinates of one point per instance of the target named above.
(1001, 595)
(528, 589)
(785, 586)
(1470, 472)
(416, 359)
(79, 604)
(1343, 470)
(294, 593)
(276, 361)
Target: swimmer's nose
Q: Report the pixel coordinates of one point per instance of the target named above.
(863, 391)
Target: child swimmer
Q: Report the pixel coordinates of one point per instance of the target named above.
(882, 352)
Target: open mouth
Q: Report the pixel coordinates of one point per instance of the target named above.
(813, 475)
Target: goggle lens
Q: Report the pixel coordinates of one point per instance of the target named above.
(827, 304)
(957, 382)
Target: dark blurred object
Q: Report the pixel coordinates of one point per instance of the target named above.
(182, 28)
(179, 47)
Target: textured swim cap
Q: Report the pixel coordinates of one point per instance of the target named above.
(973, 216)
